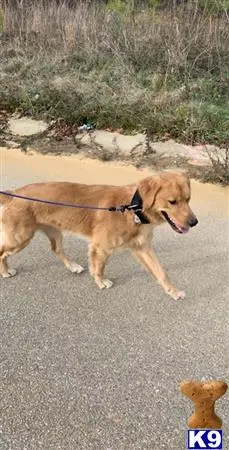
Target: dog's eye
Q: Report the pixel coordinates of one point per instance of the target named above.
(172, 202)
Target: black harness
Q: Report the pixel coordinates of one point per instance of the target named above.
(136, 206)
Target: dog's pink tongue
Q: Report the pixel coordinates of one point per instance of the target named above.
(184, 230)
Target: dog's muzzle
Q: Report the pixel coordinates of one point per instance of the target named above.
(178, 228)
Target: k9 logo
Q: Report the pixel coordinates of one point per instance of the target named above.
(207, 439)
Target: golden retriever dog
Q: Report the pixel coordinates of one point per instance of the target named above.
(153, 201)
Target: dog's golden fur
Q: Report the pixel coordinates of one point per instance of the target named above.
(107, 231)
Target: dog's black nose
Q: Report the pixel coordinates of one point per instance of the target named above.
(193, 221)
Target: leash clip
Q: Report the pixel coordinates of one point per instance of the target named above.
(123, 208)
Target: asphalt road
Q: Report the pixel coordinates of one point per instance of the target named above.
(87, 369)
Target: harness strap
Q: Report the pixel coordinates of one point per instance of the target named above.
(137, 206)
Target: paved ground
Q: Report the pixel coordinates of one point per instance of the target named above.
(83, 369)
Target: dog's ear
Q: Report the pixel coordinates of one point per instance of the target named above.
(183, 176)
(148, 189)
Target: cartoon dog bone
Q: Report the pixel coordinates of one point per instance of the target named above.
(204, 395)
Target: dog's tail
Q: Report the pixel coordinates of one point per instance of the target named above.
(5, 199)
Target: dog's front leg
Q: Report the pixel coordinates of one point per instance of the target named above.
(98, 257)
(148, 257)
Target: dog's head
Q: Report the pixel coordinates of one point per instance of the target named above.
(166, 198)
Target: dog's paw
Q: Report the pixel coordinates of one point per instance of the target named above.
(107, 284)
(104, 284)
(75, 268)
(176, 294)
(11, 273)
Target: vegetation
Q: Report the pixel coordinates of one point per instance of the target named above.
(156, 65)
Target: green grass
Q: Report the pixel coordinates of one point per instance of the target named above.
(167, 72)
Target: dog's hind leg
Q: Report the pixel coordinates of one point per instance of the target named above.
(97, 260)
(16, 231)
(4, 268)
(11, 247)
(56, 241)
